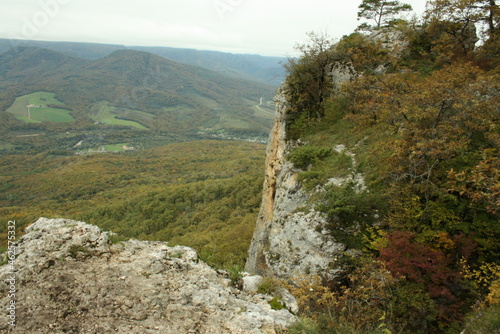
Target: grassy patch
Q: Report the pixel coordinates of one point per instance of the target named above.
(39, 107)
(303, 156)
(104, 113)
(50, 115)
(41, 98)
(120, 147)
(269, 286)
(6, 146)
(484, 321)
(117, 147)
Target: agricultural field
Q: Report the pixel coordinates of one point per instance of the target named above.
(39, 107)
(102, 112)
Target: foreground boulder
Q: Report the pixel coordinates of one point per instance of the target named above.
(69, 278)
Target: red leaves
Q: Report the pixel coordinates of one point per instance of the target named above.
(415, 261)
(435, 267)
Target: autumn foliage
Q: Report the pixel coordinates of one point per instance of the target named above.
(421, 114)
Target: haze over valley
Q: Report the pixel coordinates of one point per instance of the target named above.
(96, 95)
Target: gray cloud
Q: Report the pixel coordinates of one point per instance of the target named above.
(268, 27)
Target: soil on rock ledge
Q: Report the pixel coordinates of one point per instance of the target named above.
(70, 279)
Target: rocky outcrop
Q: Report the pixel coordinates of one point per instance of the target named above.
(275, 158)
(288, 242)
(69, 278)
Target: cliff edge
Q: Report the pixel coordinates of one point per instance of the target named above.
(67, 277)
(288, 241)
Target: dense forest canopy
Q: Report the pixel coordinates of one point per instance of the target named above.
(418, 103)
(203, 194)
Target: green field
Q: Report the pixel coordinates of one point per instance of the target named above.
(104, 113)
(120, 147)
(38, 111)
(6, 146)
(40, 98)
(117, 147)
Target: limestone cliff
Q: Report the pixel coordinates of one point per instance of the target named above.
(288, 242)
(69, 278)
(275, 158)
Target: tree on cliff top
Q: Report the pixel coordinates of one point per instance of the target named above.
(383, 12)
(308, 80)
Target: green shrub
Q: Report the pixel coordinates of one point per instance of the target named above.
(269, 286)
(204, 255)
(303, 156)
(277, 304)
(117, 238)
(234, 274)
(350, 211)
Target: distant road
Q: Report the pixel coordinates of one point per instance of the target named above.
(258, 106)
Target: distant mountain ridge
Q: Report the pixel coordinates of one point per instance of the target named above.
(137, 86)
(247, 66)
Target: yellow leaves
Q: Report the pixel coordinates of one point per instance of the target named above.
(382, 326)
(375, 238)
(361, 306)
(493, 297)
(443, 241)
(406, 212)
(485, 275)
(482, 183)
(312, 297)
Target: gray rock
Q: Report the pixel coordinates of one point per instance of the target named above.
(288, 242)
(289, 299)
(70, 278)
(251, 283)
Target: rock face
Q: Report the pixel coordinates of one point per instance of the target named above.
(69, 278)
(288, 242)
(275, 158)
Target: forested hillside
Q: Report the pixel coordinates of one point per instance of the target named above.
(420, 114)
(244, 66)
(201, 194)
(157, 99)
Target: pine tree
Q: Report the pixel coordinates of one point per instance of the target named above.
(383, 12)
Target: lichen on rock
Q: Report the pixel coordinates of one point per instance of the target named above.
(71, 279)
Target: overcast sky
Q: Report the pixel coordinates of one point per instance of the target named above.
(266, 27)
